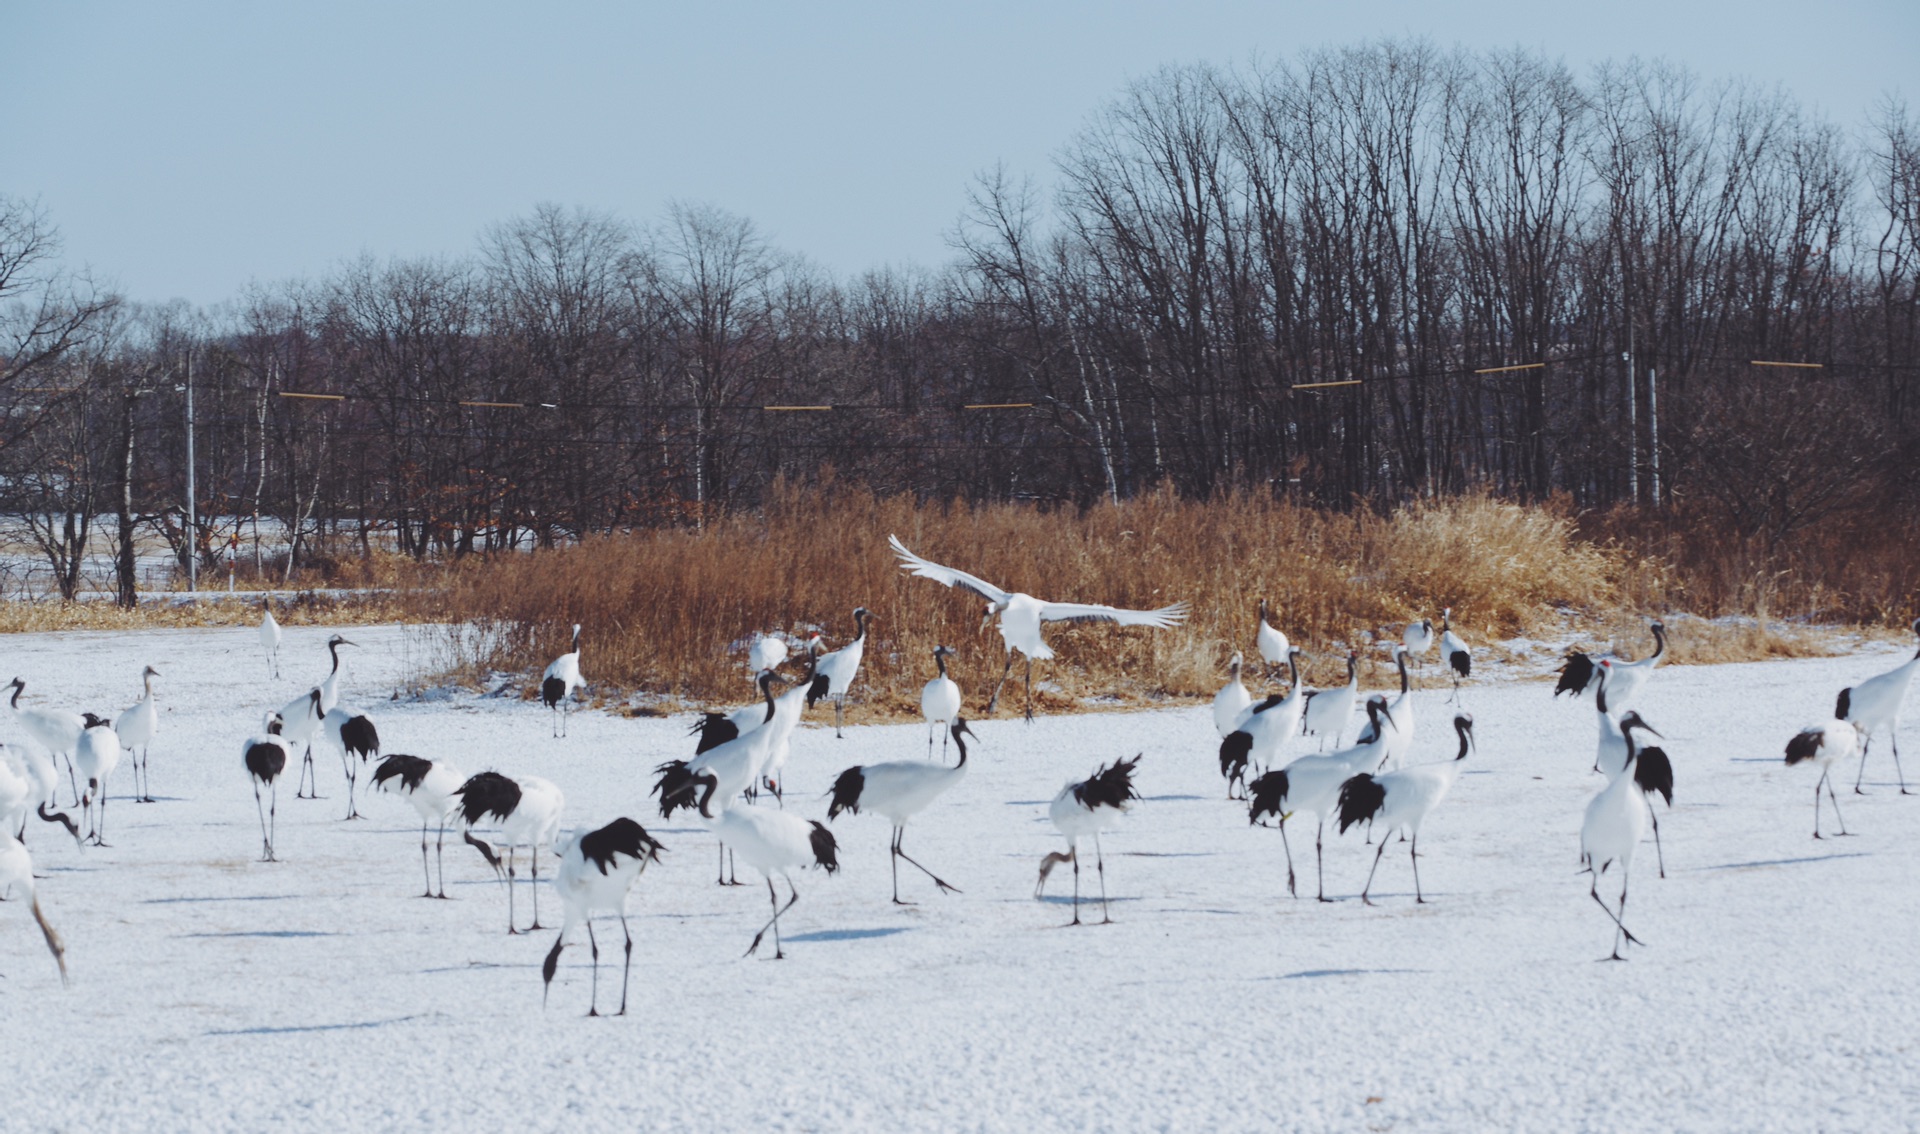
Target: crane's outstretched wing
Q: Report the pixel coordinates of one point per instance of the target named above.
(1165, 617)
(928, 569)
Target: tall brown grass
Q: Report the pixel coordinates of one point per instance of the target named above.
(671, 612)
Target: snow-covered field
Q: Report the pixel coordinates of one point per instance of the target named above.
(214, 992)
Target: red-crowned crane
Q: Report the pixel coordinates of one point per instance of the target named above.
(525, 812)
(559, 680)
(1263, 729)
(354, 736)
(1232, 700)
(1022, 616)
(772, 842)
(1272, 644)
(1312, 784)
(270, 638)
(97, 756)
(833, 673)
(939, 701)
(1873, 709)
(899, 790)
(16, 877)
(1402, 800)
(430, 786)
(265, 757)
(1326, 711)
(135, 728)
(1086, 808)
(1616, 821)
(1582, 671)
(1824, 744)
(596, 873)
(1454, 649)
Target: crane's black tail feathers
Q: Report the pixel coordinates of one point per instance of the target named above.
(1361, 798)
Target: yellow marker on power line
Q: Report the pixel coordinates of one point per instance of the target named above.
(1326, 385)
(314, 397)
(1794, 365)
(795, 409)
(1504, 369)
(497, 405)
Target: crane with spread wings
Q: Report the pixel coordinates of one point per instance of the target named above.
(1022, 616)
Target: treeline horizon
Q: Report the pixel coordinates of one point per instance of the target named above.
(1362, 275)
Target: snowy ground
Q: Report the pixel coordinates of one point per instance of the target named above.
(211, 991)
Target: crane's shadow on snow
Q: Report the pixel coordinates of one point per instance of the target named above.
(221, 898)
(1786, 861)
(844, 934)
(263, 933)
(1315, 974)
(302, 1028)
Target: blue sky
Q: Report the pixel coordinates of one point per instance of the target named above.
(185, 149)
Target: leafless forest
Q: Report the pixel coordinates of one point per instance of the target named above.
(1356, 278)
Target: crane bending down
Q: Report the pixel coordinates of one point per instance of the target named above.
(559, 680)
(1873, 709)
(1022, 616)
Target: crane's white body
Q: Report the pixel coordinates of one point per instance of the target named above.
(1312, 785)
(774, 843)
(1083, 809)
(28, 783)
(1453, 649)
(16, 880)
(300, 722)
(1418, 637)
(1615, 822)
(778, 745)
(96, 757)
(767, 652)
(586, 886)
(269, 812)
(1269, 724)
(1232, 701)
(533, 823)
(270, 639)
(1873, 709)
(1401, 800)
(939, 699)
(55, 730)
(1327, 710)
(1625, 679)
(1022, 616)
(899, 790)
(331, 726)
(560, 680)
(1398, 735)
(1272, 644)
(836, 671)
(136, 728)
(432, 798)
(1825, 744)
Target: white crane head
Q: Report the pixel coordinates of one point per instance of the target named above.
(274, 723)
(1234, 666)
(1377, 704)
(1633, 720)
(150, 672)
(337, 640)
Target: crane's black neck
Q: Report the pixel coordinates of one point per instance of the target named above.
(1293, 664)
(860, 620)
(1659, 642)
(766, 691)
(706, 797)
(959, 730)
(940, 659)
(1353, 668)
(576, 639)
(333, 647)
(19, 687)
(1465, 730)
(1400, 656)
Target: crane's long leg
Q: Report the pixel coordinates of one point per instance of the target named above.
(995, 699)
(627, 965)
(1368, 888)
(1073, 852)
(1816, 803)
(1835, 800)
(352, 811)
(511, 931)
(72, 780)
(1030, 705)
(266, 841)
(440, 858)
(893, 861)
(773, 923)
(1893, 738)
(593, 947)
(1100, 867)
(424, 868)
(1283, 845)
(839, 704)
(1594, 892)
(899, 834)
(1659, 854)
(1413, 853)
(1319, 866)
(536, 889)
(273, 819)
(100, 828)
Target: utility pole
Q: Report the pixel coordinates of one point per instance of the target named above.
(1653, 420)
(1633, 425)
(193, 516)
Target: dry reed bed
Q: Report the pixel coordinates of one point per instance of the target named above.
(670, 612)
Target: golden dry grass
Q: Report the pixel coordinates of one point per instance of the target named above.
(670, 612)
